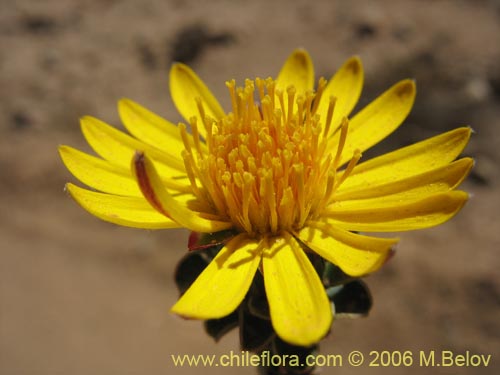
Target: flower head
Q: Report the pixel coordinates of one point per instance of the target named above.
(282, 170)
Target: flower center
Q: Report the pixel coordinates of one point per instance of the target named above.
(267, 167)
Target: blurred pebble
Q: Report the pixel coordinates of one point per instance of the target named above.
(485, 292)
(484, 171)
(147, 56)
(365, 30)
(403, 33)
(477, 89)
(20, 120)
(190, 42)
(38, 24)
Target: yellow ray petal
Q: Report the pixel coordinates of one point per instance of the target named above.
(356, 255)
(99, 173)
(150, 128)
(221, 287)
(346, 86)
(185, 87)
(119, 148)
(396, 216)
(408, 161)
(298, 71)
(300, 310)
(127, 211)
(418, 186)
(378, 119)
(154, 191)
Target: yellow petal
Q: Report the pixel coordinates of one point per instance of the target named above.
(418, 158)
(396, 216)
(127, 211)
(437, 180)
(346, 86)
(98, 173)
(378, 119)
(154, 191)
(150, 128)
(185, 87)
(356, 255)
(221, 287)
(119, 148)
(298, 71)
(299, 308)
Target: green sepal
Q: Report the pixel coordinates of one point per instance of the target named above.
(255, 333)
(190, 267)
(351, 300)
(217, 328)
(292, 352)
(202, 241)
(333, 276)
(257, 303)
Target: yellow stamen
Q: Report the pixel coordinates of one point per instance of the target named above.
(190, 170)
(281, 98)
(266, 167)
(300, 105)
(308, 104)
(319, 93)
(350, 167)
(343, 135)
(271, 85)
(260, 85)
(329, 115)
(196, 135)
(231, 85)
(201, 111)
(184, 136)
(291, 95)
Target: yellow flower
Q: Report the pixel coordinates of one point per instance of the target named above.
(281, 169)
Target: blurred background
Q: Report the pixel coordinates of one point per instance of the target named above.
(81, 296)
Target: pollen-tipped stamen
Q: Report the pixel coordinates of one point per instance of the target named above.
(281, 99)
(329, 115)
(184, 137)
(260, 83)
(352, 163)
(291, 96)
(319, 93)
(231, 85)
(344, 128)
(266, 166)
(201, 110)
(196, 136)
(191, 173)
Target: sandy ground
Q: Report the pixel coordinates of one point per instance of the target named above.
(80, 296)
